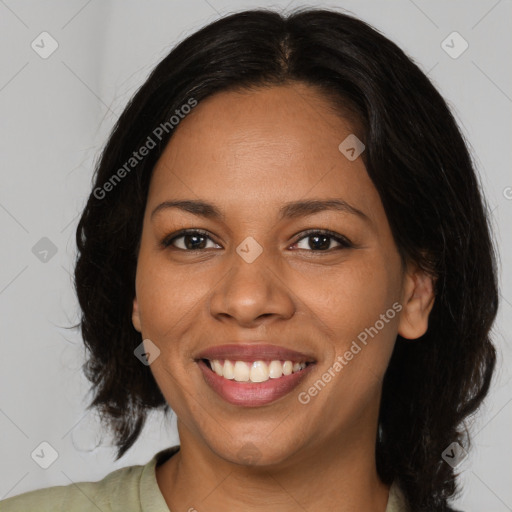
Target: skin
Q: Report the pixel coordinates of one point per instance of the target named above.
(249, 153)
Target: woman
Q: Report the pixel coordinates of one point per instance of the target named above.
(285, 244)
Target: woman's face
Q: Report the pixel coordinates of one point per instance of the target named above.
(257, 170)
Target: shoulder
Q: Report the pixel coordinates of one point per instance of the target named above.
(117, 491)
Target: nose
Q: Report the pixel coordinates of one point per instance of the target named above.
(252, 293)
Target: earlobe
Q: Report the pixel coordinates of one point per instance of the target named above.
(136, 316)
(418, 300)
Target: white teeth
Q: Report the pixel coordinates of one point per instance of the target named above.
(242, 371)
(217, 367)
(228, 371)
(258, 371)
(275, 369)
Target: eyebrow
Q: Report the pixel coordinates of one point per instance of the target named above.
(289, 210)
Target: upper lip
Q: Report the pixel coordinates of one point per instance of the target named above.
(253, 352)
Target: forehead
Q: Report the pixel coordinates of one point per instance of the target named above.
(274, 143)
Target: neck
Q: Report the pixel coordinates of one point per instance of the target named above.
(338, 476)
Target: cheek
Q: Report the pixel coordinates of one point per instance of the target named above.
(349, 299)
(355, 305)
(167, 298)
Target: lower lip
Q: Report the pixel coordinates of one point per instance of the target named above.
(252, 394)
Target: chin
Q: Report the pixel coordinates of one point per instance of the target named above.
(256, 451)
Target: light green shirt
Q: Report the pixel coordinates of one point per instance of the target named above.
(130, 489)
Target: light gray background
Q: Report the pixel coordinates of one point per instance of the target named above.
(56, 114)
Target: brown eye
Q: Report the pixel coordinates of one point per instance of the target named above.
(191, 240)
(322, 241)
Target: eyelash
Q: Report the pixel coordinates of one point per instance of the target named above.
(344, 242)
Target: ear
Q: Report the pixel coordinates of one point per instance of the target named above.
(136, 316)
(417, 302)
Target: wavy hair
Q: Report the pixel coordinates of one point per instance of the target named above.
(420, 165)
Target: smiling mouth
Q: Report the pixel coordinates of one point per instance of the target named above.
(254, 371)
(253, 374)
